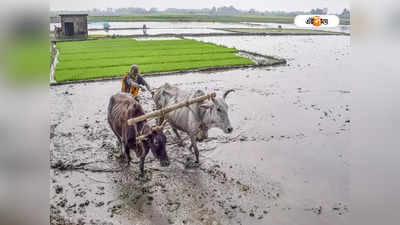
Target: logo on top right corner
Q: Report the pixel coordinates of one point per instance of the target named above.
(316, 21)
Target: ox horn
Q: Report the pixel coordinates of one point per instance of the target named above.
(227, 92)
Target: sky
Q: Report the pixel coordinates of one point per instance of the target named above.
(260, 5)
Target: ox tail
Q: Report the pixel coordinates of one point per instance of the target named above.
(110, 105)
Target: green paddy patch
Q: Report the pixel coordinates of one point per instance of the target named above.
(83, 60)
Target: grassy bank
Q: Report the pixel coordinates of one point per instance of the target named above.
(82, 60)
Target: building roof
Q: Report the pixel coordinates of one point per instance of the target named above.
(74, 14)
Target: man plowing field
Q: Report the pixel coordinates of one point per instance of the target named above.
(132, 82)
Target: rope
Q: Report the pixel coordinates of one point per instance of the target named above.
(139, 143)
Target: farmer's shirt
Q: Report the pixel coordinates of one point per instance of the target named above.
(131, 84)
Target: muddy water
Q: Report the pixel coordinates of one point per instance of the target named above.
(285, 163)
(172, 25)
(158, 31)
(340, 28)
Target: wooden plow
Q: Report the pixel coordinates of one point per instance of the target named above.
(162, 112)
(166, 110)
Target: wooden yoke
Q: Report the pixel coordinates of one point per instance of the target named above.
(171, 108)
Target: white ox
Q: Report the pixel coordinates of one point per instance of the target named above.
(196, 119)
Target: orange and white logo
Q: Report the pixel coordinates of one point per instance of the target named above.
(316, 21)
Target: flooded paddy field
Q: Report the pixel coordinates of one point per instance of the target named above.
(340, 28)
(162, 25)
(157, 28)
(286, 162)
(156, 31)
(154, 28)
(286, 31)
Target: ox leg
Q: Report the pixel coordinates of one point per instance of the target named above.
(142, 158)
(120, 148)
(180, 142)
(127, 155)
(195, 149)
(141, 166)
(119, 144)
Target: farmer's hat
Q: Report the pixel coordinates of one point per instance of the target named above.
(134, 69)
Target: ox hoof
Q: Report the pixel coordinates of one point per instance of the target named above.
(118, 155)
(164, 163)
(192, 165)
(141, 177)
(144, 176)
(127, 164)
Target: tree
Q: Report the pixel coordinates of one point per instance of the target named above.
(213, 10)
(318, 11)
(345, 13)
(153, 10)
(252, 11)
(227, 10)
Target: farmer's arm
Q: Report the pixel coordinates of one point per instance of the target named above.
(141, 81)
(132, 83)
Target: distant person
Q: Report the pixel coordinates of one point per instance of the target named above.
(144, 29)
(58, 31)
(132, 82)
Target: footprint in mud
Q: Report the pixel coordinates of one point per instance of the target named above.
(173, 206)
(316, 210)
(190, 164)
(146, 177)
(340, 208)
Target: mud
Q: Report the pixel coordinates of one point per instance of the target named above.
(161, 25)
(156, 38)
(54, 60)
(340, 28)
(285, 163)
(159, 31)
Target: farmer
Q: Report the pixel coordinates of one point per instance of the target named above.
(144, 29)
(132, 82)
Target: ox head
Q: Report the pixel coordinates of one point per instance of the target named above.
(216, 114)
(157, 142)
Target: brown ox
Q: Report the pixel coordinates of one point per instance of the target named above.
(121, 108)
